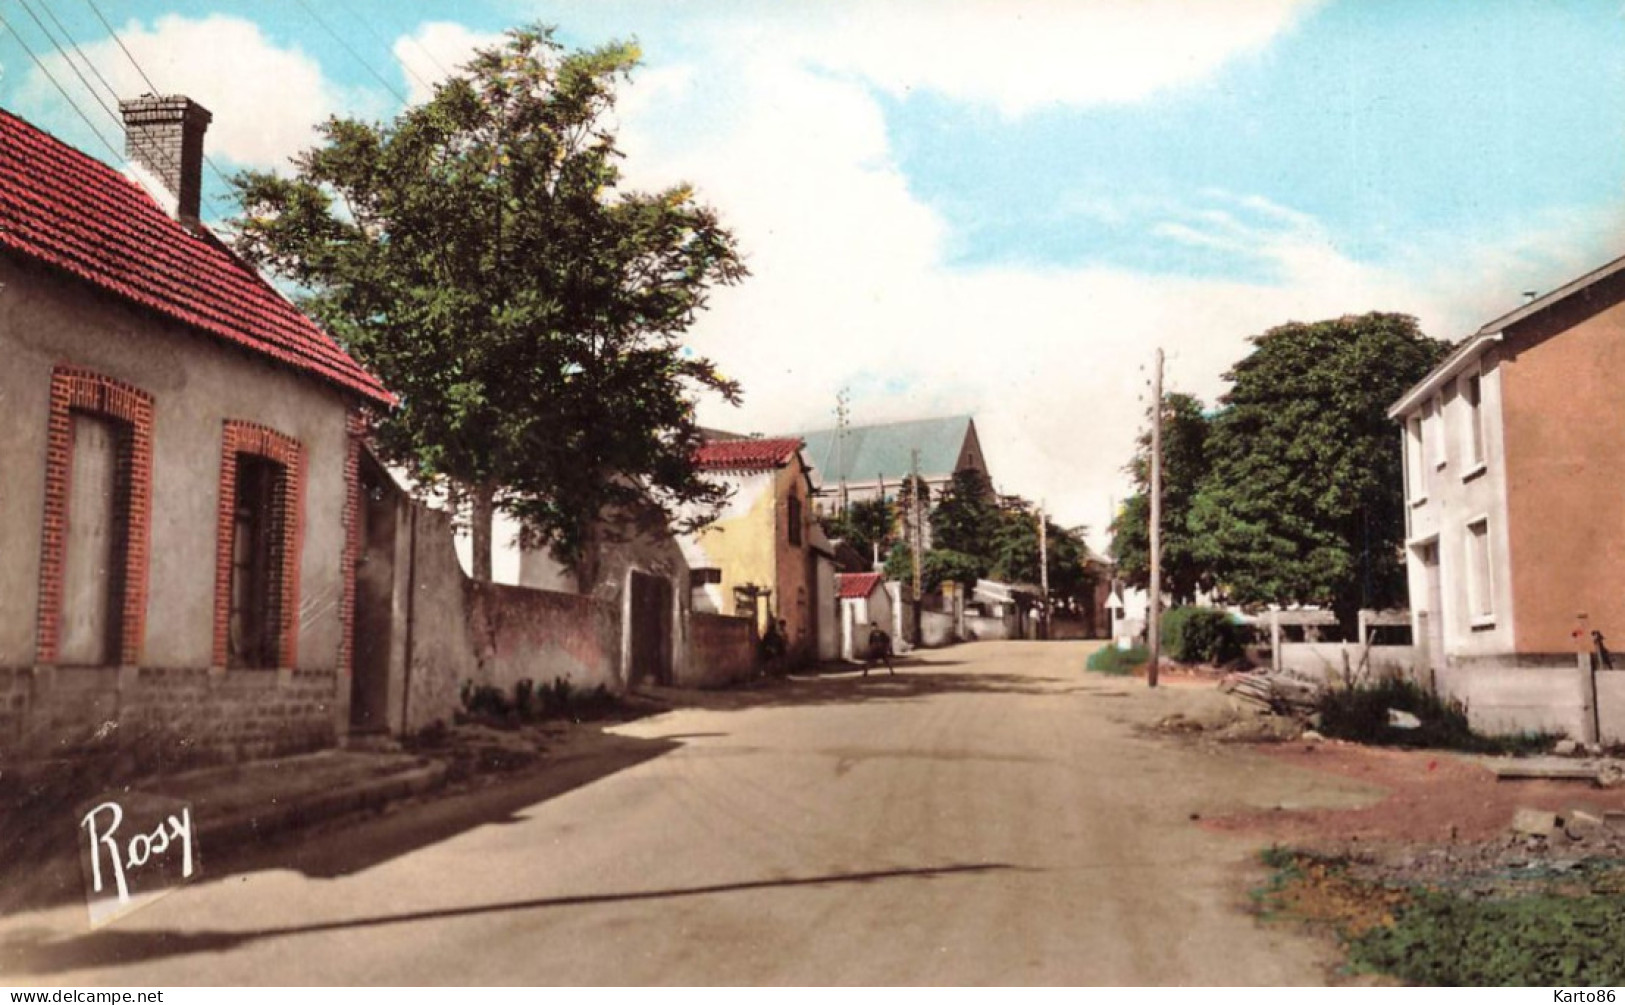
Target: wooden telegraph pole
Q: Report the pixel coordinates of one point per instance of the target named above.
(1043, 572)
(918, 535)
(1153, 614)
(914, 516)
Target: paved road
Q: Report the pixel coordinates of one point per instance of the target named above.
(985, 817)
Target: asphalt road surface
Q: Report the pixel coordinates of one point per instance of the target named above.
(986, 816)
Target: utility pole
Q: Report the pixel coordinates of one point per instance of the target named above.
(917, 533)
(884, 509)
(1154, 606)
(841, 414)
(1043, 571)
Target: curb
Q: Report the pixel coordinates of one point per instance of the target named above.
(261, 822)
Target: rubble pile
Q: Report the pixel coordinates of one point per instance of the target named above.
(1279, 693)
(1540, 848)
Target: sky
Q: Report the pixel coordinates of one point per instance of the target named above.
(993, 207)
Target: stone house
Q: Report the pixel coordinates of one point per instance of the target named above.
(181, 448)
(1515, 543)
(765, 555)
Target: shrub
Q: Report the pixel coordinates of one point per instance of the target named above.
(1200, 635)
(1361, 714)
(1117, 662)
(483, 700)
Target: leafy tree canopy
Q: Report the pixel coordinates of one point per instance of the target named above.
(944, 565)
(867, 525)
(966, 517)
(1304, 499)
(477, 254)
(1017, 550)
(1185, 428)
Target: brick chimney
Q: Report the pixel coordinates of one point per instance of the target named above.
(165, 136)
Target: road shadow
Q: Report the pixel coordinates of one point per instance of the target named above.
(910, 683)
(358, 841)
(29, 954)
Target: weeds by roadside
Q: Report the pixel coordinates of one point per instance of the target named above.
(1117, 662)
(1566, 932)
(491, 706)
(1365, 714)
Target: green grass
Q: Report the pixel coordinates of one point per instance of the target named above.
(1117, 662)
(1544, 939)
(1573, 935)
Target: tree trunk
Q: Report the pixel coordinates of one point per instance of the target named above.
(586, 564)
(482, 506)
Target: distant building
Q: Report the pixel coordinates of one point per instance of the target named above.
(865, 600)
(864, 462)
(765, 555)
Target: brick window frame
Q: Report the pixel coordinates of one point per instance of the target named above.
(355, 428)
(260, 441)
(78, 390)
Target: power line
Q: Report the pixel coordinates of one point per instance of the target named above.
(157, 151)
(358, 19)
(117, 154)
(111, 31)
(29, 10)
(80, 52)
(152, 88)
(341, 40)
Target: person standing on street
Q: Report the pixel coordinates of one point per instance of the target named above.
(879, 649)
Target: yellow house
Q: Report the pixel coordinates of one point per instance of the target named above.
(759, 556)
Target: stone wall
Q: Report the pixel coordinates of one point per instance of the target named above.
(1518, 699)
(169, 717)
(1327, 660)
(450, 631)
(722, 650)
(519, 633)
(936, 629)
(979, 626)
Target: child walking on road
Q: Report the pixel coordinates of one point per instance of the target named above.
(879, 649)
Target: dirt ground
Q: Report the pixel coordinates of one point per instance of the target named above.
(1446, 821)
(1434, 797)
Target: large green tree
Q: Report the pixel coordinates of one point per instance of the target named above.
(868, 525)
(1017, 550)
(966, 516)
(1185, 571)
(1304, 500)
(478, 255)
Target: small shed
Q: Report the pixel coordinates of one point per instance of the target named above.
(863, 600)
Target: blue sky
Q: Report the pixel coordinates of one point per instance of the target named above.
(998, 207)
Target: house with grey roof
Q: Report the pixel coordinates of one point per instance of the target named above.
(866, 462)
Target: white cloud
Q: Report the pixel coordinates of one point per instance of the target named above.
(434, 52)
(1022, 55)
(851, 288)
(266, 99)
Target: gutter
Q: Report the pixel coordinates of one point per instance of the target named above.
(1466, 354)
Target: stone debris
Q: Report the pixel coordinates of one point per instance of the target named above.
(1534, 823)
(1401, 719)
(1578, 823)
(1546, 768)
(1280, 693)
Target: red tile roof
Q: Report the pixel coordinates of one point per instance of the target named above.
(746, 455)
(857, 585)
(70, 211)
